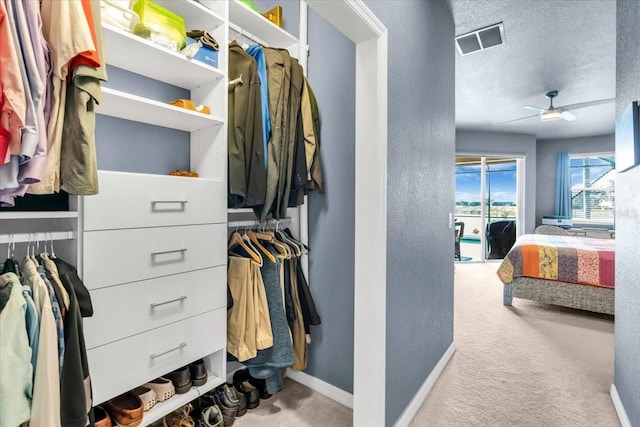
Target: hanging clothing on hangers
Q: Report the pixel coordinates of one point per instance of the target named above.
(45, 409)
(295, 93)
(16, 370)
(277, 75)
(58, 18)
(311, 125)
(257, 53)
(247, 175)
(78, 162)
(269, 364)
(75, 387)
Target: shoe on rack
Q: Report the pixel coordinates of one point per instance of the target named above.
(211, 416)
(242, 402)
(243, 386)
(148, 397)
(126, 410)
(198, 372)
(179, 418)
(227, 407)
(181, 379)
(102, 418)
(163, 387)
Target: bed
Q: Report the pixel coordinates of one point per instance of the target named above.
(570, 271)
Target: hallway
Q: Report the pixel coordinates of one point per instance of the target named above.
(529, 365)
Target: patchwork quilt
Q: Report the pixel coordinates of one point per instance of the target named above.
(569, 259)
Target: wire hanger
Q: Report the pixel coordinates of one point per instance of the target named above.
(53, 252)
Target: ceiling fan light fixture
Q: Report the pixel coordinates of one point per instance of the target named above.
(550, 115)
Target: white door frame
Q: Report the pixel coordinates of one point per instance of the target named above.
(354, 19)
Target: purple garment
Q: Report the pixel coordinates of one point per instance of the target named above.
(29, 24)
(29, 166)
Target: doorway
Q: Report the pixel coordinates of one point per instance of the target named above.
(488, 211)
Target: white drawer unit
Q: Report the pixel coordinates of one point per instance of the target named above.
(120, 256)
(128, 363)
(126, 310)
(132, 200)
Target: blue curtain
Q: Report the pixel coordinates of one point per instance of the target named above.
(563, 186)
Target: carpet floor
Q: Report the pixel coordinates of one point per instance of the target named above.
(528, 365)
(299, 406)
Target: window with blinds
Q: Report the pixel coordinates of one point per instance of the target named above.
(593, 188)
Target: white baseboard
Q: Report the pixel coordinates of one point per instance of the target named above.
(414, 406)
(322, 387)
(617, 403)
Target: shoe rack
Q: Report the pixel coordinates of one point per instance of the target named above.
(153, 247)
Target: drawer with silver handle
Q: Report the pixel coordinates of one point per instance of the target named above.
(126, 310)
(133, 200)
(115, 257)
(128, 363)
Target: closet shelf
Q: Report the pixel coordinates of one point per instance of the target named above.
(140, 56)
(131, 107)
(196, 15)
(259, 26)
(38, 215)
(179, 400)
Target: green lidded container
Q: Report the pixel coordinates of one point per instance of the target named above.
(160, 25)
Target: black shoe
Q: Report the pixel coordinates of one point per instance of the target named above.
(243, 386)
(261, 385)
(181, 379)
(198, 373)
(227, 407)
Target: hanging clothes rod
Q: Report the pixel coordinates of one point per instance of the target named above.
(270, 223)
(242, 32)
(41, 236)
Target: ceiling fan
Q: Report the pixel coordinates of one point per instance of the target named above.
(556, 113)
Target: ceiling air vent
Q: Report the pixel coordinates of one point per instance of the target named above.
(481, 39)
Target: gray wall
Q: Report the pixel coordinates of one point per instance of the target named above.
(124, 145)
(547, 153)
(331, 216)
(493, 143)
(421, 139)
(627, 364)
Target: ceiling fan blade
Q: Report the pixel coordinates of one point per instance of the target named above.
(532, 108)
(521, 118)
(568, 116)
(588, 104)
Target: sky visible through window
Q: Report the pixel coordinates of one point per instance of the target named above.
(501, 184)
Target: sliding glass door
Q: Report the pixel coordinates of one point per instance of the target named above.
(487, 195)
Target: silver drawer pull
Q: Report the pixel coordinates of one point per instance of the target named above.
(180, 347)
(156, 202)
(158, 304)
(182, 250)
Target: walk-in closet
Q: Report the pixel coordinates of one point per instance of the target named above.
(158, 160)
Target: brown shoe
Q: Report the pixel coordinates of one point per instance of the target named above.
(126, 410)
(179, 418)
(102, 418)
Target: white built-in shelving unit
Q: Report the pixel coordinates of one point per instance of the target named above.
(174, 226)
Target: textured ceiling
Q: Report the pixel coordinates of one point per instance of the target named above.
(564, 45)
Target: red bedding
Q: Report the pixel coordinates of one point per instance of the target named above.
(570, 259)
